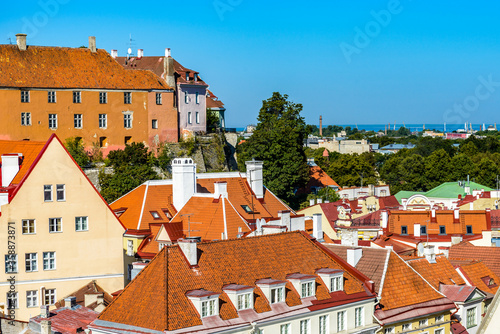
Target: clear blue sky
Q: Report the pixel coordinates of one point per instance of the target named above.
(425, 62)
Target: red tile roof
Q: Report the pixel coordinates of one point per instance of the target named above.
(60, 67)
(479, 275)
(163, 284)
(29, 149)
(318, 178)
(490, 256)
(213, 101)
(69, 321)
(388, 202)
(441, 272)
(457, 293)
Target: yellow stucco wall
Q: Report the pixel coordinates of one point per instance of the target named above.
(430, 328)
(81, 256)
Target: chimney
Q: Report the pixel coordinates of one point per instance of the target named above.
(317, 226)
(445, 251)
(140, 53)
(319, 200)
(311, 201)
(433, 215)
(255, 177)
(10, 167)
(220, 188)
(354, 255)
(456, 239)
(184, 181)
(46, 327)
(285, 218)
(349, 237)
(429, 253)
(384, 218)
(44, 311)
(114, 53)
(21, 41)
(92, 45)
(69, 302)
(321, 126)
(456, 215)
(168, 69)
(190, 250)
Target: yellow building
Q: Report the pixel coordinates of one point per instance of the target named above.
(56, 231)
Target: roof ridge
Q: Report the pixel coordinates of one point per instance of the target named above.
(382, 279)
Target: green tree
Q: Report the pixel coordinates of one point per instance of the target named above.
(437, 168)
(461, 167)
(486, 172)
(353, 169)
(75, 147)
(278, 141)
(469, 148)
(212, 120)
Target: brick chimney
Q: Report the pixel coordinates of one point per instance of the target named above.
(92, 44)
(168, 68)
(190, 250)
(21, 41)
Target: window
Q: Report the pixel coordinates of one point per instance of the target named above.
(28, 226)
(81, 223)
(26, 118)
(25, 96)
(130, 247)
(246, 208)
(31, 298)
(404, 230)
(49, 260)
(55, 225)
(53, 121)
(155, 214)
(77, 97)
(285, 329)
(439, 318)
(389, 330)
(78, 121)
(103, 97)
(127, 98)
(336, 283)
(304, 326)
(50, 296)
(197, 98)
(127, 140)
(189, 118)
(51, 96)
(442, 229)
(208, 308)
(323, 324)
(31, 262)
(158, 98)
(154, 124)
(127, 121)
(407, 326)
(307, 290)
(439, 331)
(358, 316)
(468, 229)
(47, 193)
(60, 192)
(244, 301)
(422, 323)
(423, 230)
(341, 321)
(103, 141)
(12, 300)
(471, 317)
(103, 121)
(277, 295)
(197, 118)
(187, 76)
(11, 263)
(186, 97)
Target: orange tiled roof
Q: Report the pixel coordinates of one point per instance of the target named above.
(490, 256)
(213, 101)
(480, 276)
(60, 67)
(90, 288)
(441, 272)
(29, 149)
(163, 284)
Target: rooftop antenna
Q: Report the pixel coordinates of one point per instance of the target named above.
(10, 40)
(130, 44)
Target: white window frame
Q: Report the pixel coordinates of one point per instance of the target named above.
(60, 192)
(244, 301)
(209, 307)
(277, 295)
(341, 321)
(186, 97)
(26, 224)
(439, 331)
(52, 121)
(49, 260)
(10, 263)
(12, 297)
(77, 96)
(47, 190)
(103, 121)
(389, 330)
(81, 223)
(197, 117)
(50, 296)
(305, 326)
(127, 97)
(423, 322)
(359, 316)
(25, 118)
(285, 329)
(78, 121)
(323, 324)
(55, 225)
(407, 326)
(25, 96)
(472, 317)
(127, 121)
(190, 117)
(337, 283)
(31, 262)
(51, 96)
(103, 97)
(159, 100)
(32, 298)
(130, 247)
(307, 289)
(439, 318)
(197, 98)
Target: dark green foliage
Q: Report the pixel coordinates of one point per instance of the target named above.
(278, 141)
(212, 120)
(75, 147)
(352, 169)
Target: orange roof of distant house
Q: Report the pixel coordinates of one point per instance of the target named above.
(156, 298)
(490, 256)
(61, 67)
(479, 275)
(318, 178)
(29, 149)
(441, 272)
(213, 101)
(400, 248)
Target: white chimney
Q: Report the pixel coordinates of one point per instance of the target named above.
(10, 168)
(384, 218)
(21, 41)
(319, 200)
(167, 52)
(92, 44)
(311, 202)
(69, 302)
(45, 327)
(416, 230)
(220, 189)
(456, 239)
(184, 181)
(190, 250)
(44, 311)
(317, 226)
(114, 53)
(429, 253)
(349, 237)
(285, 218)
(255, 177)
(140, 53)
(456, 213)
(354, 255)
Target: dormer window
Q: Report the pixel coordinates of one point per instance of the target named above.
(240, 295)
(307, 289)
(305, 284)
(274, 290)
(333, 278)
(187, 76)
(244, 301)
(277, 295)
(208, 308)
(205, 302)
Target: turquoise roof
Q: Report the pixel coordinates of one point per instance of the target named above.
(445, 190)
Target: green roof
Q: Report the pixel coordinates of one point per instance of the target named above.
(445, 190)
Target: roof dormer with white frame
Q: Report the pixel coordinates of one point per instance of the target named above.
(304, 284)
(333, 278)
(206, 302)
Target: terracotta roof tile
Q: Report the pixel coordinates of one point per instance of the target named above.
(490, 256)
(481, 276)
(29, 149)
(69, 321)
(441, 272)
(91, 287)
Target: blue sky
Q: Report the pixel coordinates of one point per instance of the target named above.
(364, 62)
